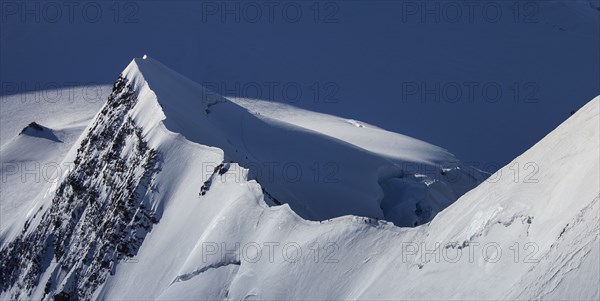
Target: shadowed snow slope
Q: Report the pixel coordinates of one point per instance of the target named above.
(512, 238)
(507, 239)
(186, 223)
(322, 166)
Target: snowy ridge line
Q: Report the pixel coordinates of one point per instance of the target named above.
(370, 253)
(364, 179)
(400, 147)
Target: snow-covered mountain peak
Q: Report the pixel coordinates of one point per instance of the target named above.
(167, 198)
(321, 165)
(185, 99)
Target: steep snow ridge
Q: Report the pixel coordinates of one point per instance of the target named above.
(232, 217)
(394, 146)
(205, 247)
(218, 245)
(536, 215)
(329, 169)
(548, 175)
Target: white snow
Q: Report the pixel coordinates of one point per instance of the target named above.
(29, 163)
(322, 165)
(189, 253)
(231, 244)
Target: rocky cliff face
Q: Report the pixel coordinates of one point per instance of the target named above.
(99, 215)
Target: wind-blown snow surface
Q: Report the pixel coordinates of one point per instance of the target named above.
(322, 166)
(229, 243)
(540, 240)
(30, 160)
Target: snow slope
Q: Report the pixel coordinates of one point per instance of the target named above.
(169, 242)
(29, 161)
(50, 234)
(557, 216)
(208, 249)
(322, 166)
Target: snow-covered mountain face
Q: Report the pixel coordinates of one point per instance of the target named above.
(176, 192)
(322, 166)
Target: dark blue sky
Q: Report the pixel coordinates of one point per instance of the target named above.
(484, 81)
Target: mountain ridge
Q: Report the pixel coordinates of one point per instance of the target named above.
(170, 241)
(244, 135)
